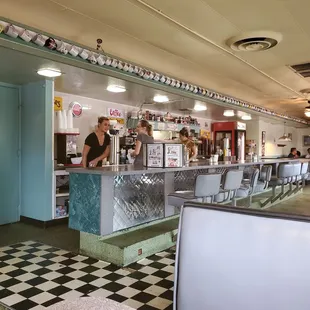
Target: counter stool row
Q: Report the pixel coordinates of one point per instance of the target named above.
(224, 188)
(291, 174)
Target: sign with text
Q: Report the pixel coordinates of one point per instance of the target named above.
(116, 113)
(57, 103)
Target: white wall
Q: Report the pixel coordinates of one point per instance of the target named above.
(273, 132)
(95, 108)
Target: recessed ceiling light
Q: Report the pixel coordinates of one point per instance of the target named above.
(160, 98)
(116, 88)
(200, 106)
(246, 117)
(229, 113)
(49, 72)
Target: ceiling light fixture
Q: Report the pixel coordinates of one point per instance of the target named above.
(160, 98)
(116, 88)
(49, 72)
(285, 137)
(200, 106)
(246, 117)
(229, 113)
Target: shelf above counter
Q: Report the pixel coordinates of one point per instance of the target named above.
(162, 126)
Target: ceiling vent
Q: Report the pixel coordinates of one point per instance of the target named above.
(303, 69)
(254, 41)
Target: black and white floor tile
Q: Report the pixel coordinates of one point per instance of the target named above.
(35, 276)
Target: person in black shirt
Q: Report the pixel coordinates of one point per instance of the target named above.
(293, 153)
(97, 145)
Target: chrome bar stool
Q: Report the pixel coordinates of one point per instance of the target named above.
(232, 181)
(206, 187)
(285, 173)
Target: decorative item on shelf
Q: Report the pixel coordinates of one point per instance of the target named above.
(73, 50)
(108, 61)
(50, 43)
(61, 47)
(25, 35)
(92, 58)
(84, 54)
(11, 31)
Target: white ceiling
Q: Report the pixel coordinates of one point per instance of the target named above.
(187, 39)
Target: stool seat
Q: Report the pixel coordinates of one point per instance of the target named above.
(223, 195)
(206, 186)
(177, 199)
(275, 181)
(89, 303)
(243, 191)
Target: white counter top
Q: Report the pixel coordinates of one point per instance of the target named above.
(132, 169)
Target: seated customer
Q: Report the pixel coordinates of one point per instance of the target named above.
(293, 153)
(298, 154)
(308, 155)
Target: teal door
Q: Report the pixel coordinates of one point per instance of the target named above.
(9, 154)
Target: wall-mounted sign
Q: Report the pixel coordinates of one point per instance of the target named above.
(76, 108)
(116, 113)
(241, 126)
(57, 103)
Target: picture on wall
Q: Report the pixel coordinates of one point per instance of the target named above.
(263, 142)
(263, 137)
(306, 140)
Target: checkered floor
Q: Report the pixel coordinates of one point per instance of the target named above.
(35, 276)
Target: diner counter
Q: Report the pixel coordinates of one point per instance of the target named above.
(112, 198)
(114, 170)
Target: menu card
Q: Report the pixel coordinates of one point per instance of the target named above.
(173, 155)
(153, 155)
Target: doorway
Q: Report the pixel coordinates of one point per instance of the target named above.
(9, 154)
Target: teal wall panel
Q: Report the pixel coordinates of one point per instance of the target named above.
(9, 154)
(36, 150)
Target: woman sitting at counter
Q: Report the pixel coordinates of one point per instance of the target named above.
(97, 145)
(145, 135)
(190, 145)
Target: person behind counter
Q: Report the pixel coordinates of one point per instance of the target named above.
(97, 145)
(190, 145)
(145, 135)
(293, 153)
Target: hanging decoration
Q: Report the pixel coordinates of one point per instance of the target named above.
(100, 58)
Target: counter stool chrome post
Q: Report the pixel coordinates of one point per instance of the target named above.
(232, 181)
(206, 187)
(247, 189)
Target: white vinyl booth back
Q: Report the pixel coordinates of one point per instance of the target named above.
(237, 259)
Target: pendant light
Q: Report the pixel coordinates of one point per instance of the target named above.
(285, 137)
